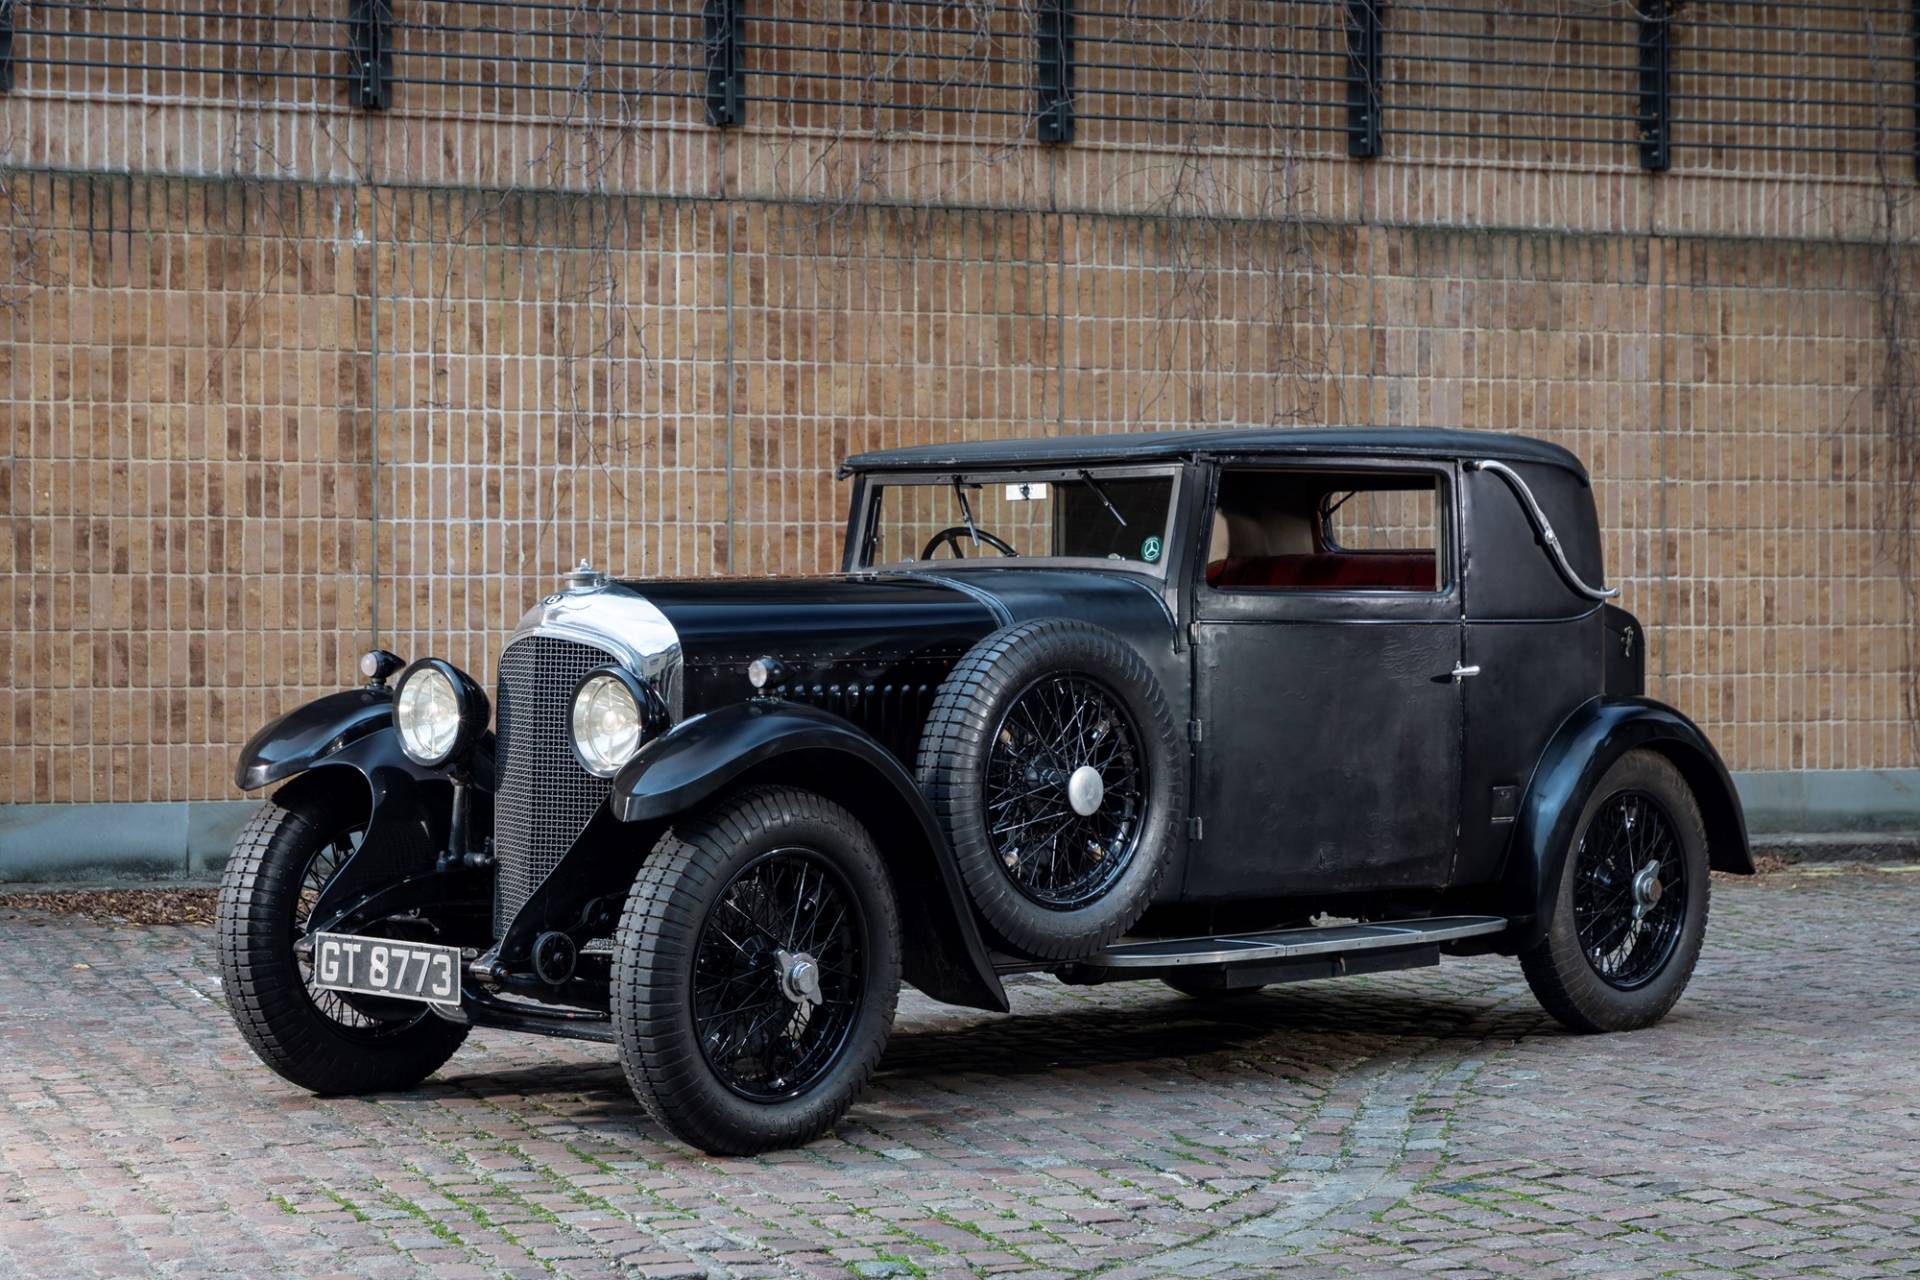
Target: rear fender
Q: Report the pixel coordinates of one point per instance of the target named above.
(770, 741)
(1586, 745)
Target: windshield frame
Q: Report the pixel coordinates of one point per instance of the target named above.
(863, 522)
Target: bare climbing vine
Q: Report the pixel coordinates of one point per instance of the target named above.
(1896, 399)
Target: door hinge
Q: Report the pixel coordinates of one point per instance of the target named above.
(1195, 829)
(1194, 731)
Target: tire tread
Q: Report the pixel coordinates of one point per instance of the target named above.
(261, 981)
(658, 933)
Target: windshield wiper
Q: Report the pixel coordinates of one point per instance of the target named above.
(966, 511)
(1101, 494)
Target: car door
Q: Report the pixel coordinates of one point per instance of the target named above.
(1328, 702)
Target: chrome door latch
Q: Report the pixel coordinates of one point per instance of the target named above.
(1462, 672)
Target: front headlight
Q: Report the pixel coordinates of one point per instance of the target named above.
(609, 719)
(439, 712)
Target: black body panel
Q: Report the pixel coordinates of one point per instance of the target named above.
(1329, 758)
(1533, 675)
(1538, 643)
(298, 739)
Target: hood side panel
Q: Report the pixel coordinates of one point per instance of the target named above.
(872, 650)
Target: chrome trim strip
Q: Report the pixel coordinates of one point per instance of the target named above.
(1554, 550)
(621, 621)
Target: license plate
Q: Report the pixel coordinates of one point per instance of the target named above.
(366, 966)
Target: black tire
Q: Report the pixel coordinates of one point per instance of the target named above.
(674, 1031)
(318, 1040)
(1196, 987)
(1610, 961)
(977, 714)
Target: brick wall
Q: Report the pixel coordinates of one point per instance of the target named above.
(283, 377)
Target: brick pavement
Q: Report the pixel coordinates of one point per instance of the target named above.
(1425, 1123)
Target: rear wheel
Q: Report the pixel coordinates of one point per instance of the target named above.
(756, 970)
(321, 1040)
(1632, 908)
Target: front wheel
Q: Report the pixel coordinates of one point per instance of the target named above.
(321, 1040)
(1632, 908)
(755, 972)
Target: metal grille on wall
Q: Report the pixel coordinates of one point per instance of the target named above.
(243, 53)
(1528, 80)
(1241, 74)
(1590, 83)
(546, 59)
(1829, 84)
(910, 66)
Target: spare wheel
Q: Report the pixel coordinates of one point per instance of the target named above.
(1051, 760)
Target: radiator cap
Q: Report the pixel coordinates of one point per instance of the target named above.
(584, 578)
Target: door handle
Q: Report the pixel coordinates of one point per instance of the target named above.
(1462, 672)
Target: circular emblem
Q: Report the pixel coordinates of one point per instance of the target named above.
(1150, 549)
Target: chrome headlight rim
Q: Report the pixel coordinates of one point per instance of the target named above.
(472, 711)
(646, 718)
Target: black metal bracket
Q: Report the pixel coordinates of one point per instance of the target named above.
(371, 30)
(1055, 78)
(1363, 77)
(6, 45)
(725, 106)
(1656, 105)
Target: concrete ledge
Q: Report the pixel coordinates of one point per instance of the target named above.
(1830, 800)
(119, 841)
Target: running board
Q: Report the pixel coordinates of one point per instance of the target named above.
(1290, 944)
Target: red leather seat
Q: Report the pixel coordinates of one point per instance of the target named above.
(1333, 571)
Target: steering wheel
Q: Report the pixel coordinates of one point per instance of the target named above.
(952, 536)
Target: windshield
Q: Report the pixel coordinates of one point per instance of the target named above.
(1094, 514)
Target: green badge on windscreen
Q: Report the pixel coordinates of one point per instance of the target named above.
(1150, 549)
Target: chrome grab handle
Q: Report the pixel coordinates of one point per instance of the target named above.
(1555, 551)
(1462, 672)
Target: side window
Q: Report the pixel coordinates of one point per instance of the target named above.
(1277, 530)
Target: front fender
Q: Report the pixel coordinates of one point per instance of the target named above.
(770, 741)
(1586, 745)
(304, 736)
(346, 752)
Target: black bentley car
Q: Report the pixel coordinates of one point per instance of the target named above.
(1215, 708)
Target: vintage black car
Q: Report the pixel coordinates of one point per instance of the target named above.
(1216, 708)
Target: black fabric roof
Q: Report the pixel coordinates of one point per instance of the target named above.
(1158, 446)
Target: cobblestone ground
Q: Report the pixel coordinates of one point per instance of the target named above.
(1430, 1122)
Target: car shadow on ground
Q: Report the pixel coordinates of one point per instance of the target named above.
(1225, 1040)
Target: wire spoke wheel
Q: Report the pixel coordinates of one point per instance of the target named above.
(1630, 890)
(336, 1006)
(779, 975)
(1066, 790)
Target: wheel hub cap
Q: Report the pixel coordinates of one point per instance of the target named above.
(799, 977)
(1646, 889)
(1085, 790)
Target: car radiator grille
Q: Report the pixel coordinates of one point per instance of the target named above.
(545, 799)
